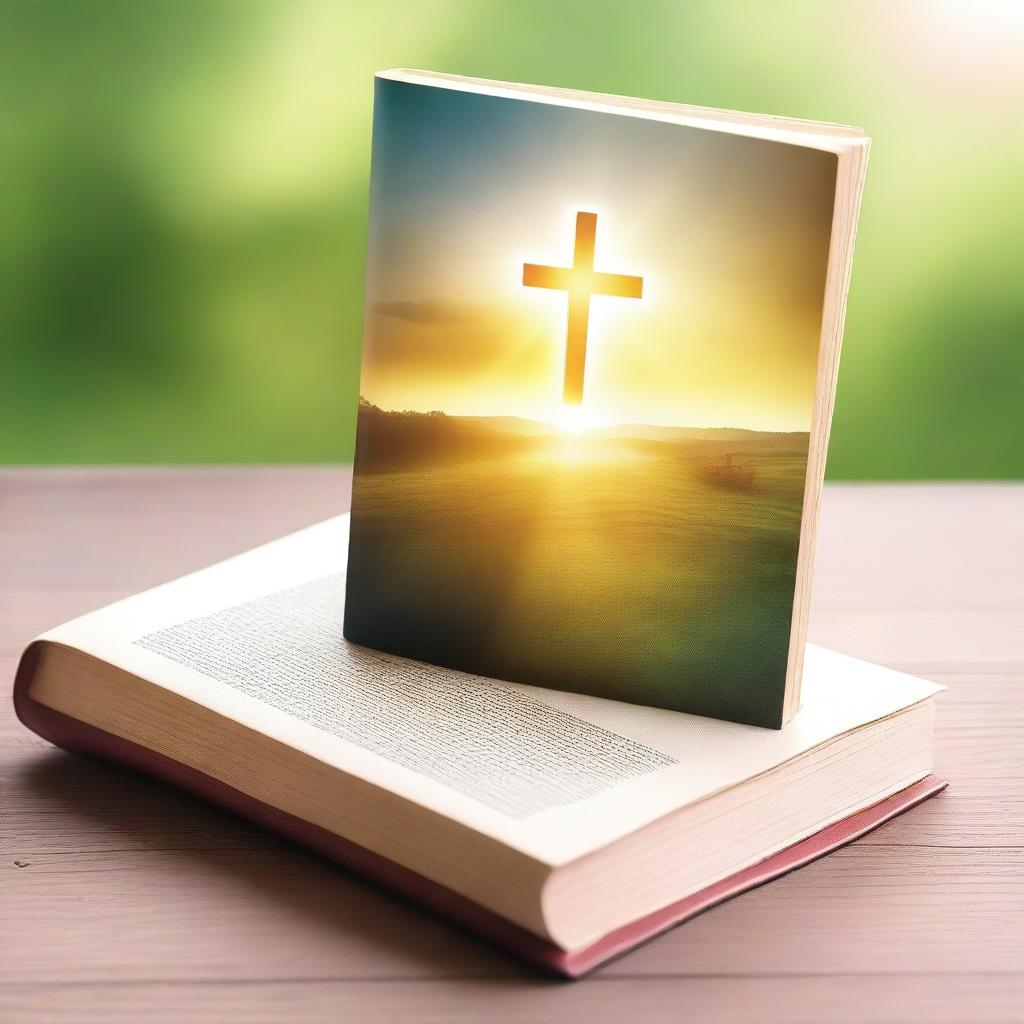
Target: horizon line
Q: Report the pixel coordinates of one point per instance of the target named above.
(601, 426)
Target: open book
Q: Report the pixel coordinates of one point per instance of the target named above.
(599, 360)
(564, 827)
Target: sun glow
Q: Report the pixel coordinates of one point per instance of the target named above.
(576, 419)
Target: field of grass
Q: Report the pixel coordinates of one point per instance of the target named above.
(618, 566)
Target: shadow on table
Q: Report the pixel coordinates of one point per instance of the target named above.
(370, 926)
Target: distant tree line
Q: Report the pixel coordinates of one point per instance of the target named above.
(366, 406)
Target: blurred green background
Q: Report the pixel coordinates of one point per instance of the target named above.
(183, 208)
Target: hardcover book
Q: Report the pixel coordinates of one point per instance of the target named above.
(599, 362)
(564, 827)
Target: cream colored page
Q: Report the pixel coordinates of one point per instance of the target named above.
(258, 639)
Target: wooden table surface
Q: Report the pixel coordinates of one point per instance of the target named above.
(123, 900)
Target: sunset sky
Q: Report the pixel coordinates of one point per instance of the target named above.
(729, 234)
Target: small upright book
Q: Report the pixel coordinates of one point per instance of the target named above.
(566, 828)
(600, 355)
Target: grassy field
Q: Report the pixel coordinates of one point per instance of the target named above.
(626, 567)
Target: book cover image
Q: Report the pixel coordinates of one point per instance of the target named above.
(589, 367)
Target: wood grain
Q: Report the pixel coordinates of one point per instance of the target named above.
(123, 900)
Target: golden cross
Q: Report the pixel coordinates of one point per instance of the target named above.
(580, 281)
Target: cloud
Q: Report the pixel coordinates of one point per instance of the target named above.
(434, 338)
(434, 354)
(436, 312)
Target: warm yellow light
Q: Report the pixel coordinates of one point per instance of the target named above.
(576, 419)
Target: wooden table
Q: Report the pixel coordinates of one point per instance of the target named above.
(123, 900)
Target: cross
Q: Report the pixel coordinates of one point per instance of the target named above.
(580, 281)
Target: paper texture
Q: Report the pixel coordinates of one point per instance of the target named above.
(487, 740)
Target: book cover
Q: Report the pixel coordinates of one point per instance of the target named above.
(589, 377)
